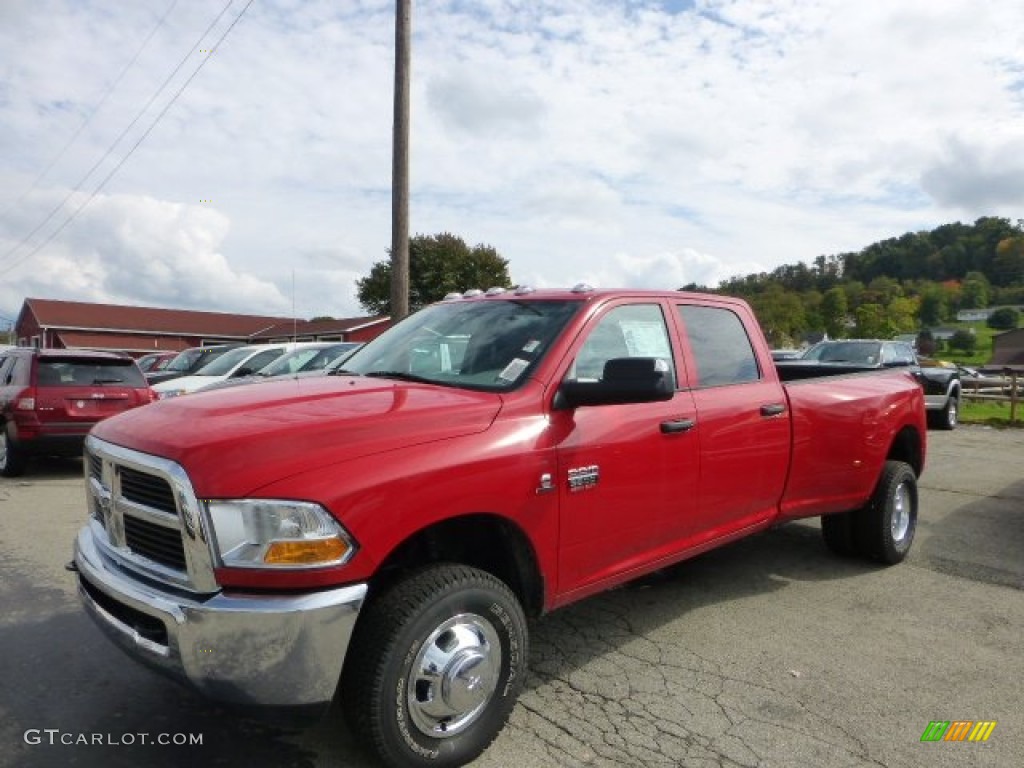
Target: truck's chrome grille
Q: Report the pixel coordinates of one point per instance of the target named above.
(155, 542)
(95, 466)
(147, 490)
(148, 516)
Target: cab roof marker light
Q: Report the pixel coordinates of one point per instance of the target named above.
(495, 291)
(582, 288)
(472, 293)
(523, 290)
(452, 296)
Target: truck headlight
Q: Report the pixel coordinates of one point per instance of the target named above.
(168, 393)
(271, 533)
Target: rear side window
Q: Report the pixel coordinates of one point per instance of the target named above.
(721, 347)
(898, 354)
(263, 359)
(88, 373)
(17, 372)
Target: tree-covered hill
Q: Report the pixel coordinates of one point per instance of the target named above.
(899, 285)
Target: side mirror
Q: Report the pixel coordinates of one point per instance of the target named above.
(625, 380)
(243, 371)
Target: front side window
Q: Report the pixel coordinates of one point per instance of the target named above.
(637, 330)
(903, 354)
(259, 361)
(721, 347)
(489, 345)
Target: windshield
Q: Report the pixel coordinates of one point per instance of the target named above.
(325, 358)
(184, 361)
(290, 362)
(864, 352)
(226, 363)
(488, 345)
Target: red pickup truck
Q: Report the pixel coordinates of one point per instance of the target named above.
(383, 534)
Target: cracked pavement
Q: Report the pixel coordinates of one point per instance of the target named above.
(768, 652)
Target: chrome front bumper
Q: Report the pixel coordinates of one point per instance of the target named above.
(262, 650)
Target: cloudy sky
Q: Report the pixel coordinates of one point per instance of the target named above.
(645, 143)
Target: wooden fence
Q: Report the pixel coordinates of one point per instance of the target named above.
(1008, 388)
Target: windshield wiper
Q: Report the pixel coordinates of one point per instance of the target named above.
(341, 372)
(107, 381)
(399, 375)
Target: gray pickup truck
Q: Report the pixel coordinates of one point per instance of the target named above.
(941, 384)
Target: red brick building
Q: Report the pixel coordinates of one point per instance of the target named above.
(48, 323)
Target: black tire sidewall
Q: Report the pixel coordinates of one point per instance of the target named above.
(837, 531)
(896, 474)
(14, 463)
(951, 414)
(403, 743)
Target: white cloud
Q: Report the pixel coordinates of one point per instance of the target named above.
(585, 139)
(137, 250)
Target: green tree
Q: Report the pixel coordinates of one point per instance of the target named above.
(882, 290)
(934, 304)
(902, 314)
(780, 313)
(1005, 319)
(974, 293)
(926, 344)
(1008, 264)
(834, 310)
(438, 265)
(964, 341)
(872, 322)
(854, 290)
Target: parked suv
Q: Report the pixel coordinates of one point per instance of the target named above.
(51, 398)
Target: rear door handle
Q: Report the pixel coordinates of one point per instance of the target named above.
(679, 425)
(775, 409)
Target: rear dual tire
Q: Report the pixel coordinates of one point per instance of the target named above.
(883, 529)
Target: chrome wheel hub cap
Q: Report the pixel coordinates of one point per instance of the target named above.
(900, 513)
(453, 676)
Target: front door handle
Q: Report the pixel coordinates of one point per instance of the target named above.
(775, 409)
(678, 425)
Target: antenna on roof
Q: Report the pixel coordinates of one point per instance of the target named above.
(295, 319)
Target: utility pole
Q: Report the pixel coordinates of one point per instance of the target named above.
(400, 164)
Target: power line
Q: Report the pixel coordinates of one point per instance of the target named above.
(81, 182)
(96, 108)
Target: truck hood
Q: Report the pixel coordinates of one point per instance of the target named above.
(234, 441)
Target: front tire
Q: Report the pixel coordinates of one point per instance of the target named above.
(435, 667)
(884, 528)
(12, 462)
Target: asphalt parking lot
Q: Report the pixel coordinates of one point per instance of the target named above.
(769, 652)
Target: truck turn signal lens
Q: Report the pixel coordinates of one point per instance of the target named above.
(308, 552)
